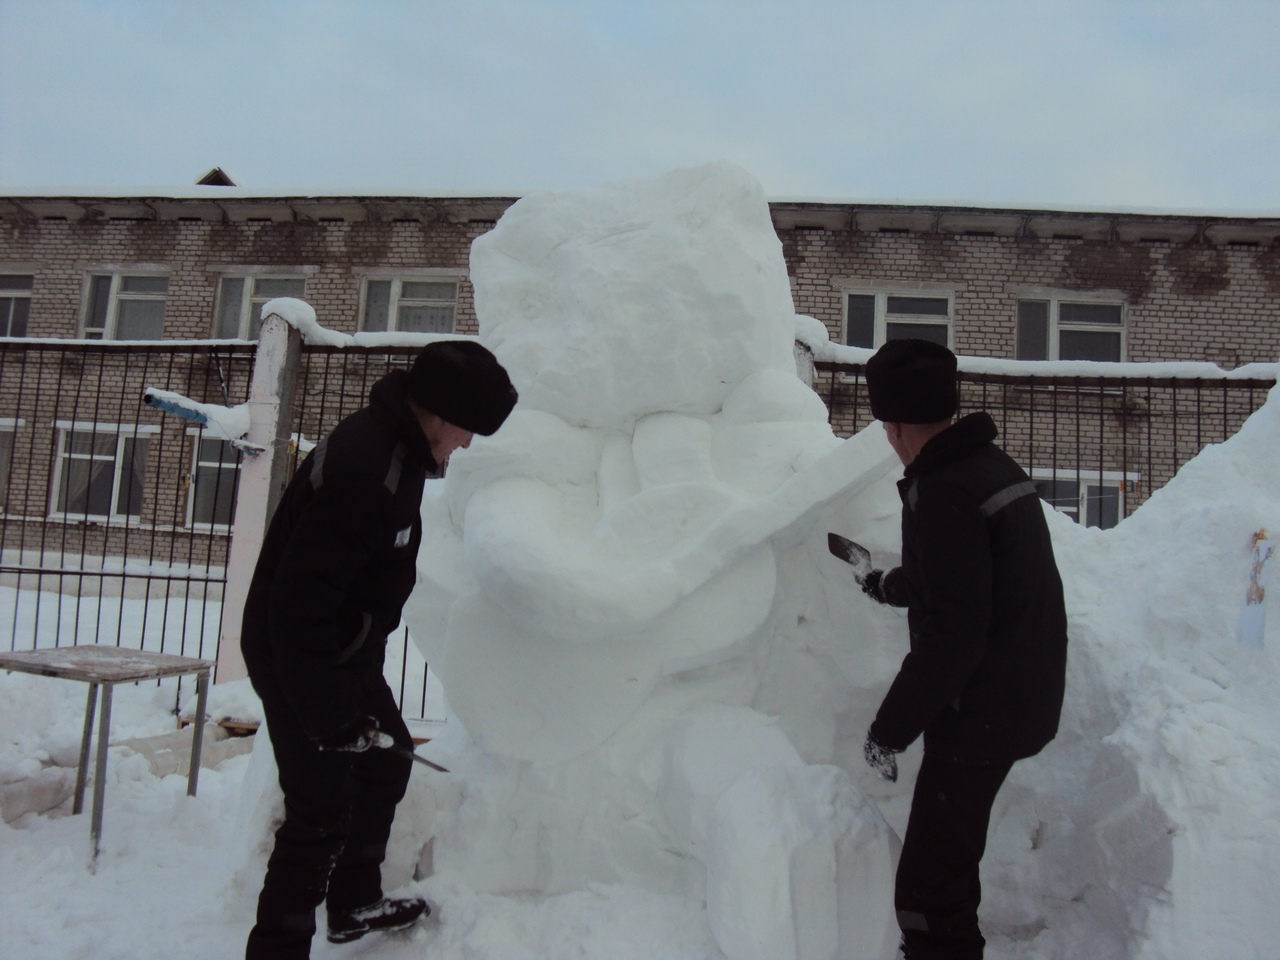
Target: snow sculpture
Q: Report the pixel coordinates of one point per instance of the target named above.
(600, 581)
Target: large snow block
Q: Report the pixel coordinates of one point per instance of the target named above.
(38, 793)
(800, 867)
(684, 272)
(529, 693)
(799, 864)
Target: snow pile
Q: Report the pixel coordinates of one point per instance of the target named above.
(302, 316)
(612, 304)
(1172, 728)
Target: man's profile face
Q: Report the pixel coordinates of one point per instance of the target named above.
(444, 438)
(894, 432)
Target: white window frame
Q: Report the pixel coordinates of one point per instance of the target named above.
(1056, 326)
(110, 325)
(197, 435)
(8, 428)
(8, 294)
(1122, 481)
(123, 433)
(396, 300)
(883, 318)
(249, 297)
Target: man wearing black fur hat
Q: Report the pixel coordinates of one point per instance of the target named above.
(336, 566)
(983, 681)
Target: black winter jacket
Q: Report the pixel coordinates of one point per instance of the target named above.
(985, 675)
(338, 563)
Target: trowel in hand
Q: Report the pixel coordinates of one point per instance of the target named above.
(854, 554)
(384, 741)
(406, 752)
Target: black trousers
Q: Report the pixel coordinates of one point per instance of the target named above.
(937, 891)
(338, 813)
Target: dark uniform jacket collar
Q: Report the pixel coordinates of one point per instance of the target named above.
(389, 403)
(954, 443)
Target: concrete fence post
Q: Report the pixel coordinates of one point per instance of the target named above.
(804, 363)
(262, 478)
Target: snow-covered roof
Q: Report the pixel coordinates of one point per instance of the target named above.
(236, 196)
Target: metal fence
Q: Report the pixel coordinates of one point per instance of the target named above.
(98, 539)
(115, 519)
(1097, 447)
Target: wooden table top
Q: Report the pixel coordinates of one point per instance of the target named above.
(102, 664)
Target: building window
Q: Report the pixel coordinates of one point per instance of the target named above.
(871, 318)
(8, 426)
(240, 300)
(125, 307)
(1070, 330)
(15, 304)
(215, 477)
(1084, 496)
(99, 471)
(410, 305)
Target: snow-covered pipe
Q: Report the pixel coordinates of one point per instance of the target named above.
(225, 423)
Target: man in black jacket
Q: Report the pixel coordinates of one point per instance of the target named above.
(983, 681)
(336, 566)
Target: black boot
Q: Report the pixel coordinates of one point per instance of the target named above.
(385, 915)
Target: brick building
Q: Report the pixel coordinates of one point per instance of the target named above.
(1040, 285)
(998, 283)
(114, 271)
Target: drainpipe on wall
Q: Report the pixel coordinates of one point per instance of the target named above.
(262, 478)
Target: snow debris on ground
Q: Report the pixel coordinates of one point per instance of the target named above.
(659, 680)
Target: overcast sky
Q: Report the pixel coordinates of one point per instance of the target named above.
(1099, 104)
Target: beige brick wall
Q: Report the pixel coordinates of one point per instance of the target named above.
(335, 255)
(1184, 301)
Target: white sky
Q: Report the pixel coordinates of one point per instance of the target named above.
(1085, 103)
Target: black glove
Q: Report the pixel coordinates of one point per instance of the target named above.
(880, 758)
(873, 586)
(357, 738)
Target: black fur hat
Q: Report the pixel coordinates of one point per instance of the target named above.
(912, 381)
(462, 382)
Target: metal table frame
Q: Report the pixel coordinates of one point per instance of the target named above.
(102, 666)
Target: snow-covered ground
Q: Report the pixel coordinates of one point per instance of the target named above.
(660, 679)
